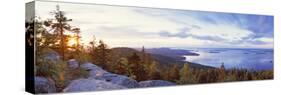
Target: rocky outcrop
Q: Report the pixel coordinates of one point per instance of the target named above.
(72, 64)
(155, 83)
(90, 85)
(100, 79)
(51, 55)
(44, 85)
(94, 70)
(119, 80)
(98, 73)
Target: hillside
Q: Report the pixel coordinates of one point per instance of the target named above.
(173, 53)
(119, 52)
(162, 56)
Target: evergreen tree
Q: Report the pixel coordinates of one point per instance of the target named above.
(173, 74)
(153, 71)
(92, 48)
(123, 67)
(44, 39)
(137, 67)
(77, 37)
(144, 57)
(222, 73)
(59, 26)
(185, 74)
(102, 56)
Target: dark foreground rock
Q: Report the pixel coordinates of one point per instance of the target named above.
(43, 85)
(90, 85)
(155, 83)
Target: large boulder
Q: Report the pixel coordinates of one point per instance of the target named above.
(155, 83)
(94, 70)
(119, 80)
(90, 85)
(51, 55)
(72, 64)
(90, 66)
(44, 85)
(98, 73)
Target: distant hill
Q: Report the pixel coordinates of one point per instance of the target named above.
(173, 53)
(122, 52)
(165, 58)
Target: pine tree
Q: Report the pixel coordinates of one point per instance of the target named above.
(123, 67)
(144, 57)
(44, 39)
(222, 75)
(59, 26)
(173, 74)
(102, 55)
(77, 37)
(185, 74)
(92, 48)
(137, 67)
(153, 71)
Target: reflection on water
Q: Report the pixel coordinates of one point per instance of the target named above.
(257, 59)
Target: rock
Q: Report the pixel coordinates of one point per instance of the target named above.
(43, 85)
(94, 70)
(72, 64)
(119, 80)
(89, 66)
(90, 85)
(155, 83)
(51, 55)
(98, 73)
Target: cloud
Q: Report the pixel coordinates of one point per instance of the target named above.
(131, 26)
(221, 33)
(182, 34)
(261, 41)
(222, 27)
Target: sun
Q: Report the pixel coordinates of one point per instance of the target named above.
(71, 41)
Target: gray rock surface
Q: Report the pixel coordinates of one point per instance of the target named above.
(90, 85)
(72, 64)
(43, 85)
(119, 80)
(94, 70)
(155, 83)
(98, 73)
(51, 55)
(90, 66)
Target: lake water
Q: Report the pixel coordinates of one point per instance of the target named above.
(256, 59)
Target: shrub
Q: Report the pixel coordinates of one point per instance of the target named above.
(54, 69)
(82, 57)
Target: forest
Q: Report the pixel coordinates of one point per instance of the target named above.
(57, 35)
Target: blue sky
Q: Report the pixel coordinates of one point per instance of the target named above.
(136, 27)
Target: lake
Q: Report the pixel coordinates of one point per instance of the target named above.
(252, 59)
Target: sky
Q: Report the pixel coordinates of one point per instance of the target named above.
(151, 27)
